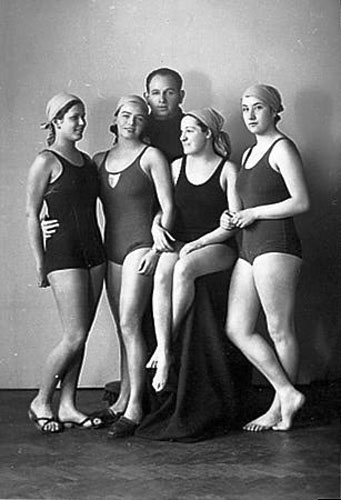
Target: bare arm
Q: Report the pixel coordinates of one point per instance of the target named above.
(286, 160)
(158, 169)
(156, 166)
(39, 177)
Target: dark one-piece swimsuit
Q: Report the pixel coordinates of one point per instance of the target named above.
(71, 199)
(262, 185)
(129, 202)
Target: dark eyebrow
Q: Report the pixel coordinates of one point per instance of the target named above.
(168, 88)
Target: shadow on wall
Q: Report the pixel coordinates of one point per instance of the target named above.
(100, 118)
(198, 90)
(319, 294)
(199, 94)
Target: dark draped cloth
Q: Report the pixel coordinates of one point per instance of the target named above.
(209, 379)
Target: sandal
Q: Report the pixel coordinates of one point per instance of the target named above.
(95, 423)
(42, 422)
(107, 415)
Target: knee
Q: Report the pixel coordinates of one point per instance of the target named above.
(162, 277)
(279, 331)
(129, 325)
(183, 272)
(232, 332)
(75, 341)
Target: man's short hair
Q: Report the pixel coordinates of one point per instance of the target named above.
(165, 72)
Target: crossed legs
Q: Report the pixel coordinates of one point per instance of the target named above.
(269, 283)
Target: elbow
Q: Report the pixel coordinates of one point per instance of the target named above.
(300, 202)
(305, 204)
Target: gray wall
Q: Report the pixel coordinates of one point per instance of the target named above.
(103, 49)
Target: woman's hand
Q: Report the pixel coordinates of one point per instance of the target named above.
(226, 221)
(49, 227)
(163, 240)
(190, 247)
(42, 280)
(149, 262)
(244, 218)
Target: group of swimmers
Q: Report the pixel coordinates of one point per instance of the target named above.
(174, 206)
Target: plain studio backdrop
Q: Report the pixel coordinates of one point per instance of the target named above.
(102, 49)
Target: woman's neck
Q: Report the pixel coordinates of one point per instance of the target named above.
(262, 140)
(69, 150)
(123, 144)
(206, 156)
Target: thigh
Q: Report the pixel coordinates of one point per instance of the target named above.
(71, 291)
(276, 276)
(207, 260)
(243, 301)
(135, 288)
(113, 278)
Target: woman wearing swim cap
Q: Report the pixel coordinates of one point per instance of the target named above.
(204, 180)
(272, 190)
(64, 180)
(134, 179)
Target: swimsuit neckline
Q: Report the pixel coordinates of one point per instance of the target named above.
(66, 159)
(127, 167)
(263, 156)
(222, 161)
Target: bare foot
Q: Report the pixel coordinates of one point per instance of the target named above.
(264, 422)
(161, 362)
(290, 404)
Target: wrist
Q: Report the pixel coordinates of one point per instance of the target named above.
(256, 213)
(155, 250)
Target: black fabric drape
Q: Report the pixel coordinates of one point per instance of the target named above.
(209, 378)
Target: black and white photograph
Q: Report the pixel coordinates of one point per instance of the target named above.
(170, 323)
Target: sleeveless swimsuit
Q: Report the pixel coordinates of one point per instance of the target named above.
(128, 199)
(199, 207)
(71, 199)
(262, 185)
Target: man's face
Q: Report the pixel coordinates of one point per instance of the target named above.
(164, 97)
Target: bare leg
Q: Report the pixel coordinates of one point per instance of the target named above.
(69, 383)
(243, 311)
(180, 290)
(206, 260)
(162, 313)
(135, 293)
(70, 288)
(276, 277)
(113, 285)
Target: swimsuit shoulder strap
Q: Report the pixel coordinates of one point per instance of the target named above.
(104, 159)
(142, 152)
(247, 156)
(275, 142)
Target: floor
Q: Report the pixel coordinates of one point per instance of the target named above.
(302, 464)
